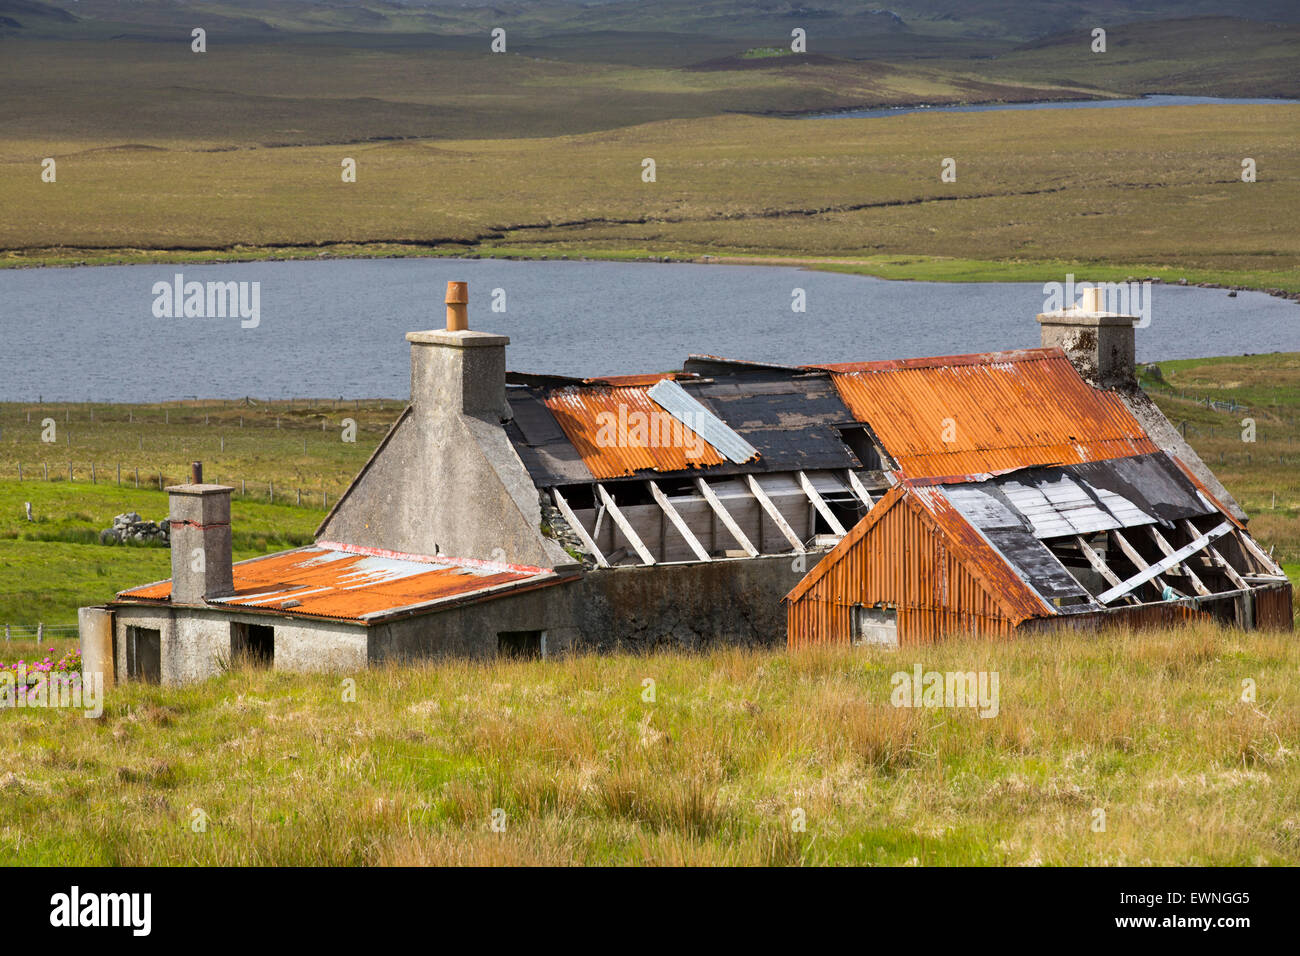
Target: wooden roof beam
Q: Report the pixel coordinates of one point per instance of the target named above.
(1168, 549)
(725, 517)
(774, 513)
(623, 525)
(1100, 567)
(588, 541)
(1153, 571)
(822, 508)
(1217, 559)
(678, 522)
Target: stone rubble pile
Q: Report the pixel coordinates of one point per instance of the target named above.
(131, 527)
(555, 526)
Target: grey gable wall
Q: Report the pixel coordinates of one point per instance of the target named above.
(447, 479)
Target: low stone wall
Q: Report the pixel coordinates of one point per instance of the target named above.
(626, 609)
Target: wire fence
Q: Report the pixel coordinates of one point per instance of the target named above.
(129, 476)
(39, 632)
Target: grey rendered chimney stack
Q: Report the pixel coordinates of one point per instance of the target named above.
(199, 515)
(459, 369)
(1099, 344)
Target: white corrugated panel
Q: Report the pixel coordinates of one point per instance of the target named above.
(979, 507)
(1065, 507)
(671, 397)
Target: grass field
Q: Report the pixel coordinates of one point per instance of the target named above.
(1151, 730)
(540, 152)
(1134, 191)
(54, 564)
(1109, 749)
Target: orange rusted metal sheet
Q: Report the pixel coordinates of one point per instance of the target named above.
(360, 584)
(914, 552)
(1274, 609)
(990, 412)
(620, 431)
(649, 378)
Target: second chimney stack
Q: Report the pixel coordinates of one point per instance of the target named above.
(200, 540)
(457, 306)
(457, 370)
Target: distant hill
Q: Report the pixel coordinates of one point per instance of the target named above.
(20, 14)
(830, 20)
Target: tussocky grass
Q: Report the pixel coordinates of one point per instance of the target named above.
(1150, 728)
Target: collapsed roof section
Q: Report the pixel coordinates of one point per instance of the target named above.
(754, 423)
(922, 418)
(1043, 542)
(802, 453)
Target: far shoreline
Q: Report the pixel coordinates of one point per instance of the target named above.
(1281, 283)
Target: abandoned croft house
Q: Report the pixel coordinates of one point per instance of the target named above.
(731, 502)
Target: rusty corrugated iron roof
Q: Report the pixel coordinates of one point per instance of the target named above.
(363, 585)
(1001, 410)
(1018, 596)
(605, 427)
(1018, 599)
(649, 378)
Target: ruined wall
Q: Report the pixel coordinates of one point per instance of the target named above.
(195, 642)
(191, 647)
(636, 609)
(445, 485)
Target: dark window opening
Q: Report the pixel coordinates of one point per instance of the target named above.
(858, 438)
(144, 654)
(578, 497)
(252, 644)
(522, 645)
(628, 493)
(846, 513)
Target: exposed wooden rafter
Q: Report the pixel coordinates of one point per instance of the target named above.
(678, 522)
(1098, 565)
(1197, 584)
(1217, 559)
(725, 517)
(588, 541)
(1131, 553)
(774, 513)
(1266, 562)
(1153, 571)
(623, 525)
(822, 508)
(859, 489)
